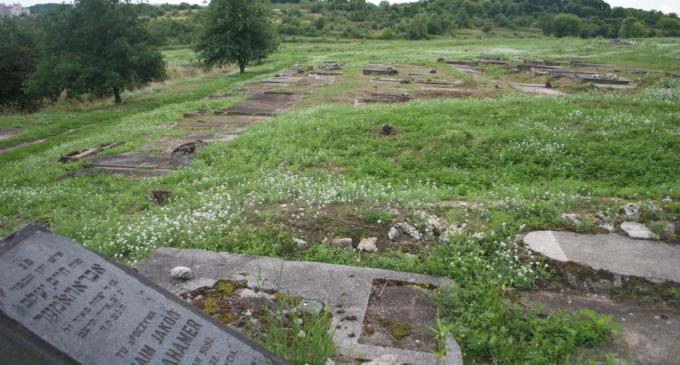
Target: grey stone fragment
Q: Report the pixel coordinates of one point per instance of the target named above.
(368, 244)
(310, 306)
(638, 231)
(631, 210)
(181, 272)
(403, 234)
(193, 285)
(300, 243)
(249, 293)
(383, 360)
(345, 243)
(572, 218)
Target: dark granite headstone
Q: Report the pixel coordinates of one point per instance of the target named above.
(61, 303)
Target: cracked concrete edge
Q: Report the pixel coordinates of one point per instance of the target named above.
(544, 243)
(272, 273)
(452, 357)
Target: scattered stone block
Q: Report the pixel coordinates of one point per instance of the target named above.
(638, 231)
(574, 219)
(107, 314)
(181, 272)
(388, 130)
(368, 244)
(631, 210)
(184, 155)
(300, 243)
(333, 65)
(404, 234)
(345, 243)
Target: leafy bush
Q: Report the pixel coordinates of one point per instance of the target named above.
(567, 25)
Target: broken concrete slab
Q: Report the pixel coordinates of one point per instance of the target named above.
(196, 113)
(466, 70)
(602, 79)
(638, 231)
(380, 71)
(264, 104)
(146, 160)
(614, 87)
(653, 260)
(127, 172)
(232, 123)
(635, 71)
(223, 96)
(169, 143)
(588, 64)
(436, 82)
(570, 74)
(261, 85)
(282, 80)
(389, 96)
(76, 155)
(462, 62)
(536, 88)
(333, 65)
(314, 79)
(329, 284)
(388, 80)
(10, 132)
(109, 145)
(325, 73)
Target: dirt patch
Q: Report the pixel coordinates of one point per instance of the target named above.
(398, 316)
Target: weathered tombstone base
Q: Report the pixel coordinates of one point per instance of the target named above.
(64, 304)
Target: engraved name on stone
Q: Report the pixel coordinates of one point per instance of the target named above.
(96, 313)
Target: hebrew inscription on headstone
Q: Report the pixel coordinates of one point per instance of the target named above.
(88, 309)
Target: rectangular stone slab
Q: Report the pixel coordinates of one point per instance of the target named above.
(264, 104)
(615, 87)
(282, 80)
(536, 88)
(325, 283)
(371, 71)
(597, 80)
(436, 82)
(10, 132)
(137, 160)
(265, 84)
(66, 304)
(326, 73)
(320, 80)
(131, 173)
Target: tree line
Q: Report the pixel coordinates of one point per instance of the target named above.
(104, 47)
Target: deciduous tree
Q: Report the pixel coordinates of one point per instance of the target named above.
(96, 46)
(19, 57)
(567, 25)
(236, 31)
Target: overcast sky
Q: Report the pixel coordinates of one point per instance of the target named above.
(667, 6)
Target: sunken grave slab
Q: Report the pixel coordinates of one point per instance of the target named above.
(387, 80)
(131, 173)
(436, 82)
(223, 96)
(314, 79)
(282, 80)
(653, 260)
(674, 74)
(326, 283)
(602, 79)
(380, 71)
(325, 73)
(265, 85)
(10, 132)
(171, 142)
(536, 88)
(65, 304)
(264, 104)
(144, 160)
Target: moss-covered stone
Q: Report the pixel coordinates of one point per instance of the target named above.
(210, 305)
(397, 329)
(287, 299)
(225, 318)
